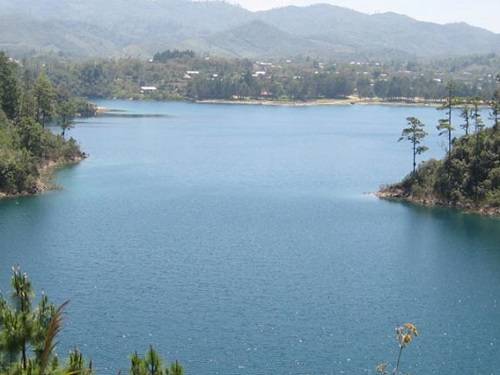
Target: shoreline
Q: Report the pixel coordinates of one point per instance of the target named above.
(349, 101)
(44, 181)
(399, 195)
(321, 102)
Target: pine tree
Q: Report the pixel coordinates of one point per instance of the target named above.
(415, 134)
(445, 126)
(466, 113)
(44, 95)
(9, 90)
(495, 106)
(65, 113)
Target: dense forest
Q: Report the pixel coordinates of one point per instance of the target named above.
(184, 75)
(469, 176)
(29, 105)
(29, 337)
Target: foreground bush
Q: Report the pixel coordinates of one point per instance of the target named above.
(28, 338)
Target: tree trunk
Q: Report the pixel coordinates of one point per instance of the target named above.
(24, 359)
(414, 157)
(396, 370)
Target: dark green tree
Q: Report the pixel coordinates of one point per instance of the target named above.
(9, 90)
(176, 369)
(152, 364)
(495, 107)
(77, 364)
(28, 105)
(45, 96)
(65, 113)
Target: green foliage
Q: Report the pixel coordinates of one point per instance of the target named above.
(25, 146)
(164, 56)
(466, 113)
(468, 177)
(153, 364)
(9, 92)
(18, 169)
(495, 107)
(77, 364)
(297, 79)
(142, 27)
(29, 333)
(415, 134)
(24, 327)
(65, 113)
(445, 126)
(45, 97)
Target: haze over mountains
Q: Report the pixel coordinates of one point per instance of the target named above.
(111, 28)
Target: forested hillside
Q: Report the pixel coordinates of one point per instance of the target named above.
(141, 28)
(28, 106)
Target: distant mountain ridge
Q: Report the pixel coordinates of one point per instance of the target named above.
(112, 28)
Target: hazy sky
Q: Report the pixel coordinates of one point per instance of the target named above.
(483, 13)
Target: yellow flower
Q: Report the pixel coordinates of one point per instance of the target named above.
(411, 327)
(407, 339)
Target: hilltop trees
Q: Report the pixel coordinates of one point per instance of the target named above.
(415, 134)
(162, 57)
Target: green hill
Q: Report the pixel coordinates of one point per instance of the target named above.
(143, 27)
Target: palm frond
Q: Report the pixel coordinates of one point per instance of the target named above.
(53, 330)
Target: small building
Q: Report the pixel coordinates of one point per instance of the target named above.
(145, 89)
(259, 74)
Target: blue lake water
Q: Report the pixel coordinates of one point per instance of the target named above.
(240, 240)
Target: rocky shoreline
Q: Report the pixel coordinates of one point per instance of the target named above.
(394, 193)
(44, 181)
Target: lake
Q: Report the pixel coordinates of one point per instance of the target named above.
(241, 240)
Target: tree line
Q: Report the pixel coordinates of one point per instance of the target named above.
(184, 75)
